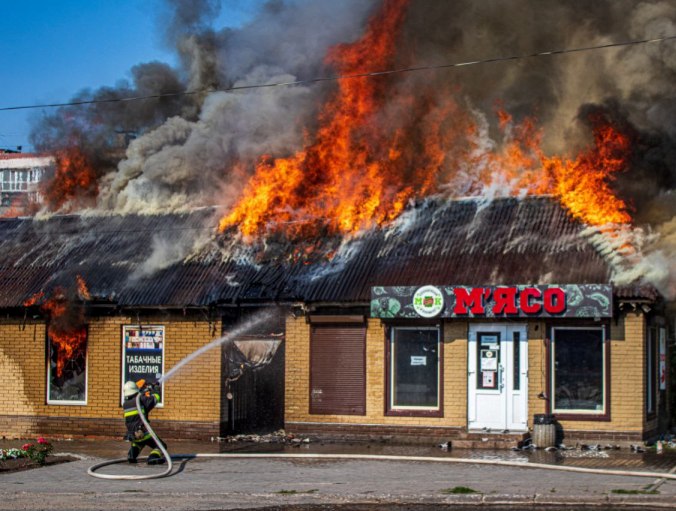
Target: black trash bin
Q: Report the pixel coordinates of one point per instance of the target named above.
(544, 430)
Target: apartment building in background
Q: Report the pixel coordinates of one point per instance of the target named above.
(20, 175)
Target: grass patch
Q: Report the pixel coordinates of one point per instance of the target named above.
(622, 491)
(295, 492)
(458, 490)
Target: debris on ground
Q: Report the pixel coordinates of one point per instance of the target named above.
(277, 437)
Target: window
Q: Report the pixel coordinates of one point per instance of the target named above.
(67, 367)
(338, 369)
(578, 362)
(414, 370)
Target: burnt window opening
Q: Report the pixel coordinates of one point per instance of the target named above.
(414, 367)
(579, 358)
(67, 368)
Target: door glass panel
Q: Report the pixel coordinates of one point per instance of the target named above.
(488, 360)
(516, 362)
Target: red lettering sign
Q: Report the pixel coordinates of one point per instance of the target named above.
(528, 306)
(471, 299)
(505, 300)
(555, 300)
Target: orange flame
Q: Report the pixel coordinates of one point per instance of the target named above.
(582, 185)
(352, 176)
(359, 172)
(66, 329)
(33, 299)
(74, 180)
(82, 289)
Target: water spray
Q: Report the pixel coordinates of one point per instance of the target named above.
(259, 318)
(228, 338)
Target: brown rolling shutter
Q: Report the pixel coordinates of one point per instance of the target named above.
(338, 369)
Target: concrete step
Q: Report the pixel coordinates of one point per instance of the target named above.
(487, 440)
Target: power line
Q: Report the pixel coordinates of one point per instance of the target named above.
(344, 77)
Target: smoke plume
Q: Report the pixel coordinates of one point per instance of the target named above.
(183, 151)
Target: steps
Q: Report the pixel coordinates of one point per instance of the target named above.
(489, 440)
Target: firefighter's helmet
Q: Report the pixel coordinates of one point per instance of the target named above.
(130, 388)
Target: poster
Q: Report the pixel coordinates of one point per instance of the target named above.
(489, 360)
(143, 354)
(418, 361)
(488, 379)
(662, 371)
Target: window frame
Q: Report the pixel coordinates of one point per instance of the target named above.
(580, 415)
(413, 411)
(48, 352)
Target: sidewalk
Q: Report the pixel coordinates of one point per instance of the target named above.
(210, 484)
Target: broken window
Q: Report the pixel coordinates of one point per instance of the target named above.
(579, 370)
(67, 368)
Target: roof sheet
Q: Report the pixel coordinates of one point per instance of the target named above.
(155, 261)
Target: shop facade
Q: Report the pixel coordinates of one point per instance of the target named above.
(474, 365)
(366, 347)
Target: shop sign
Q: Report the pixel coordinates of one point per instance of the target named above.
(428, 301)
(142, 353)
(547, 301)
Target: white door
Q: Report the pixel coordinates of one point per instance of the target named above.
(498, 378)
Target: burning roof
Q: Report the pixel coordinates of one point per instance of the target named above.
(317, 173)
(470, 241)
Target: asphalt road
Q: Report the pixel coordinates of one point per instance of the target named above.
(215, 484)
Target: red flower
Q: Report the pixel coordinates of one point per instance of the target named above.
(41, 440)
(25, 447)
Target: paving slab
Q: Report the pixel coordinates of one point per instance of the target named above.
(259, 483)
(345, 484)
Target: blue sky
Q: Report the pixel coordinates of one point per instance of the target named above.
(51, 49)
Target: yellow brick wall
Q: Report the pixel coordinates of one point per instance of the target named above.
(537, 370)
(627, 356)
(297, 399)
(190, 395)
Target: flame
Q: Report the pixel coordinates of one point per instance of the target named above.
(583, 185)
(82, 289)
(74, 180)
(352, 176)
(34, 299)
(358, 172)
(66, 329)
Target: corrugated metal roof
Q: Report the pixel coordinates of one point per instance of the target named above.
(153, 261)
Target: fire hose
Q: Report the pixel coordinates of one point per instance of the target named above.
(658, 476)
(92, 470)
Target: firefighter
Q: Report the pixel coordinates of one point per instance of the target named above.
(137, 434)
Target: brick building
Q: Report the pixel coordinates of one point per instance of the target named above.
(468, 317)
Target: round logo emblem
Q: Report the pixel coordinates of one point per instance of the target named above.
(428, 301)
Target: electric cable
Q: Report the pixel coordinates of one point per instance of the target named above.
(345, 77)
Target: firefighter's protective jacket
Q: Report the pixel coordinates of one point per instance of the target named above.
(135, 427)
